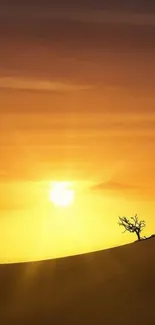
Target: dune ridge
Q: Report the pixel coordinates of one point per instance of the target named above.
(113, 286)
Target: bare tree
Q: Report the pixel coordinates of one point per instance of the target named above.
(132, 225)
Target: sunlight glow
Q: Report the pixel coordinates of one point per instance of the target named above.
(61, 194)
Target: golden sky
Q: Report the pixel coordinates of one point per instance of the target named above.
(77, 103)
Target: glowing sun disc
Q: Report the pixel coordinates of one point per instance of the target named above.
(61, 194)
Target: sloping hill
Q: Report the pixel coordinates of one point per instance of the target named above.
(115, 286)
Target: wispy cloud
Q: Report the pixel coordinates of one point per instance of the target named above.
(89, 15)
(113, 186)
(129, 191)
(104, 16)
(45, 85)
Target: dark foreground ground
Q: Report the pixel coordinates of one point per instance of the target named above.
(115, 286)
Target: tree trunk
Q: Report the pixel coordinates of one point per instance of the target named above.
(138, 235)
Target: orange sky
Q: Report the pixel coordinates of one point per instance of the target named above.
(76, 103)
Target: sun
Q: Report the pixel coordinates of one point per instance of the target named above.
(62, 194)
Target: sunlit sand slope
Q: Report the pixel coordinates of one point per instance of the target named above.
(115, 286)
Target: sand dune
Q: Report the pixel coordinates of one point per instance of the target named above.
(115, 286)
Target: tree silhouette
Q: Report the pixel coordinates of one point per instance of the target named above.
(132, 225)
